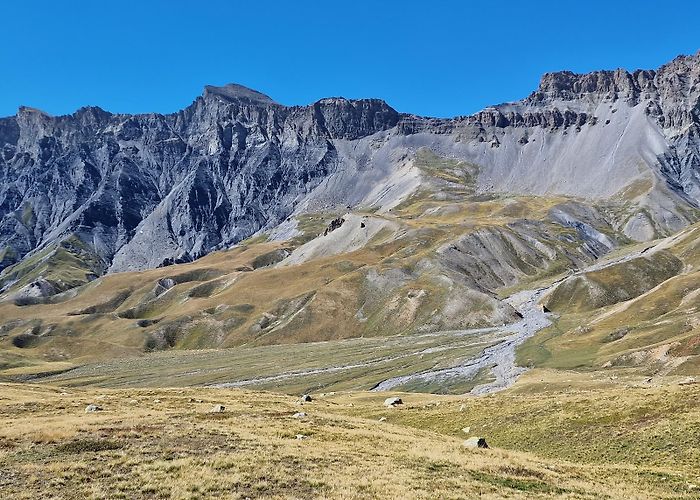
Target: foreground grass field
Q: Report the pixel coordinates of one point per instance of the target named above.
(602, 440)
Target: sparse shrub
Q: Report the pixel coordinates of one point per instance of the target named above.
(25, 340)
(88, 446)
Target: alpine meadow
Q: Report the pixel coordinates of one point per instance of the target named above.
(249, 299)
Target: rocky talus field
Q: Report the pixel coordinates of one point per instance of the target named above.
(171, 285)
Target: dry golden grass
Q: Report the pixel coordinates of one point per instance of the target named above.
(226, 298)
(167, 444)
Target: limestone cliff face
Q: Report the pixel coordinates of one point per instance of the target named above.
(141, 191)
(592, 135)
(670, 95)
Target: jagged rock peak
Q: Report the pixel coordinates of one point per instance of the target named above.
(688, 61)
(29, 110)
(236, 92)
(91, 115)
(568, 85)
(355, 118)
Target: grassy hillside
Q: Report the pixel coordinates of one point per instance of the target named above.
(656, 331)
(616, 283)
(60, 267)
(437, 262)
(157, 443)
(440, 262)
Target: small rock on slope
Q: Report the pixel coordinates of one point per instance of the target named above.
(391, 402)
(475, 442)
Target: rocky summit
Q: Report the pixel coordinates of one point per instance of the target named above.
(131, 192)
(150, 190)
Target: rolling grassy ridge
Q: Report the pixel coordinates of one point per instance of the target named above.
(647, 317)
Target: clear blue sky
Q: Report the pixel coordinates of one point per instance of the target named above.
(432, 57)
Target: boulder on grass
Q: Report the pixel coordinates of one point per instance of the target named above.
(475, 442)
(391, 402)
(92, 409)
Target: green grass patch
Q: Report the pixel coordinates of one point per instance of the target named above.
(88, 446)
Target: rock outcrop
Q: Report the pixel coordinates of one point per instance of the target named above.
(474, 443)
(150, 190)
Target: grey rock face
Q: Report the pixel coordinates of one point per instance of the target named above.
(149, 190)
(140, 191)
(671, 96)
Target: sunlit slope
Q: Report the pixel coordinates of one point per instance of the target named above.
(647, 315)
(600, 441)
(442, 260)
(438, 261)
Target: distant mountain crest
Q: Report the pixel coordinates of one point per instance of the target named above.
(236, 92)
(672, 77)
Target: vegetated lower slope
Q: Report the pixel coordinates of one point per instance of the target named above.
(434, 262)
(646, 317)
(599, 441)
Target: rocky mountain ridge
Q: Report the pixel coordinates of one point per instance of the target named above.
(140, 191)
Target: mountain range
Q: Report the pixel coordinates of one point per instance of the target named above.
(142, 191)
(239, 221)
